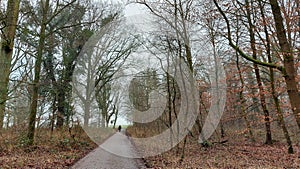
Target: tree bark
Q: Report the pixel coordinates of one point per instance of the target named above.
(242, 100)
(289, 71)
(6, 51)
(37, 71)
(273, 90)
(61, 106)
(116, 118)
(258, 77)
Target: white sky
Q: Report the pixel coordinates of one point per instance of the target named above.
(134, 9)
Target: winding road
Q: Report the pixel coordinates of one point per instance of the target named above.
(104, 157)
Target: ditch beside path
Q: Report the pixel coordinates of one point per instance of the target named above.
(100, 158)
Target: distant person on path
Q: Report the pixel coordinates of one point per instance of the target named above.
(119, 128)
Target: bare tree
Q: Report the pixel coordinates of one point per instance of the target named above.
(9, 22)
(101, 59)
(287, 69)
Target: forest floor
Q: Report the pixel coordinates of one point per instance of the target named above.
(62, 149)
(235, 151)
(59, 149)
(229, 156)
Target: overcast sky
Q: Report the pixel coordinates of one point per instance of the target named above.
(134, 9)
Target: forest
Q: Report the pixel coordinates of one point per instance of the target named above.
(192, 83)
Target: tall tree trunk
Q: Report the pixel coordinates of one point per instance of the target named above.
(242, 100)
(273, 90)
(52, 117)
(37, 71)
(87, 112)
(6, 51)
(241, 93)
(116, 118)
(170, 106)
(184, 34)
(258, 77)
(289, 72)
(103, 117)
(60, 106)
(280, 115)
(212, 36)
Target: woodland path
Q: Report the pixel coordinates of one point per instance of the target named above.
(104, 157)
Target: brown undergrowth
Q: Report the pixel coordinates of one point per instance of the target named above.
(228, 156)
(237, 152)
(57, 149)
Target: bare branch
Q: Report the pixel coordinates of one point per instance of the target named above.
(240, 51)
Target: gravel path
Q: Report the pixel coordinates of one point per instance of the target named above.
(104, 156)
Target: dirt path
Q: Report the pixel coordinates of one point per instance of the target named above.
(104, 156)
